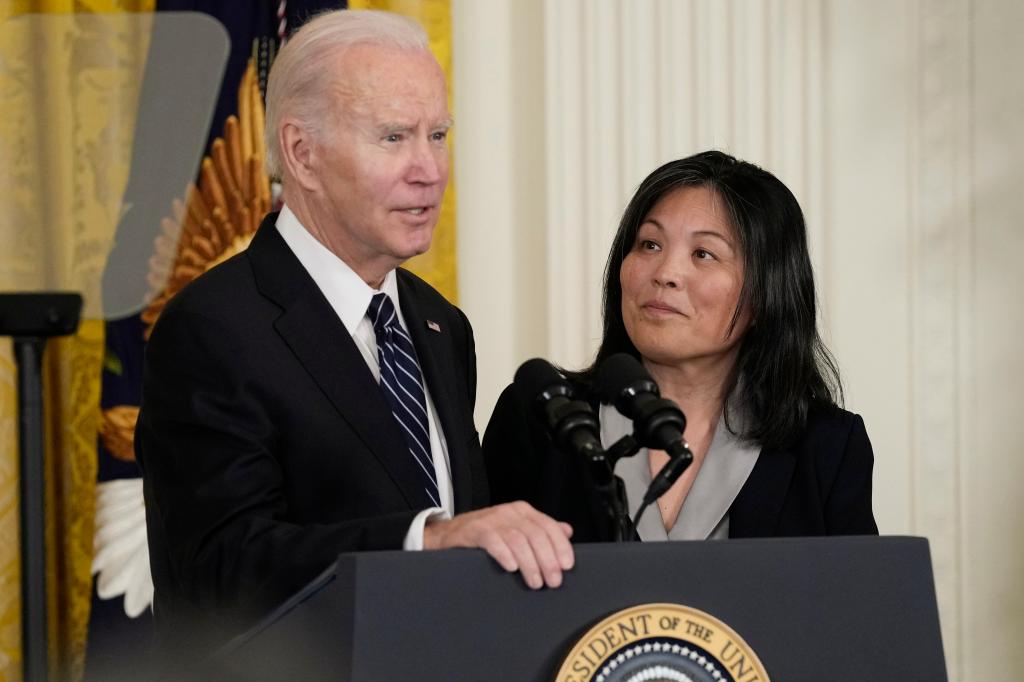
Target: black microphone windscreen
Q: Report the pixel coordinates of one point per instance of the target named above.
(536, 376)
(616, 374)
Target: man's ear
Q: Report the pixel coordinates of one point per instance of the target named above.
(298, 154)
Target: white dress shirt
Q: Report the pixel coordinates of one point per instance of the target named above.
(350, 296)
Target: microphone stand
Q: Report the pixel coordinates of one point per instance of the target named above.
(31, 319)
(612, 491)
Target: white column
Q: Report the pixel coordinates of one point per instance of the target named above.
(990, 365)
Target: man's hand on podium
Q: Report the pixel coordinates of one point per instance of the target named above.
(518, 537)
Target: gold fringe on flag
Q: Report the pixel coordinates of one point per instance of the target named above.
(218, 218)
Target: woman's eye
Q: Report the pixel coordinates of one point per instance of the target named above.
(702, 254)
(648, 245)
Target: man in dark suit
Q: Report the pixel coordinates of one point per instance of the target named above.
(307, 397)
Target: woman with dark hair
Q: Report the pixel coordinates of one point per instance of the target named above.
(709, 284)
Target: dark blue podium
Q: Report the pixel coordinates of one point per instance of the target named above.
(858, 608)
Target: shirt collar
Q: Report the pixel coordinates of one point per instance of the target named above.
(345, 291)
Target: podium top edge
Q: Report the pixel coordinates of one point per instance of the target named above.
(731, 544)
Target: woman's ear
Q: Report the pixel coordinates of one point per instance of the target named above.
(298, 154)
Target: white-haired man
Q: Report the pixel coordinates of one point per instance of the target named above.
(308, 397)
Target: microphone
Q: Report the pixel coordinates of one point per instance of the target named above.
(623, 382)
(657, 422)
(572, 423)
(574, 428)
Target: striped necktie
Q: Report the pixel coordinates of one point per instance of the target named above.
(402, 384)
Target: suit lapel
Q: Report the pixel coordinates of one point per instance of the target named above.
(755, 511)
(320, 342)
(434, 349)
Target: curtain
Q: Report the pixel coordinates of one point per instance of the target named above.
(65, 149)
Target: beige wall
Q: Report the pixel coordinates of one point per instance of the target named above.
(899, 127)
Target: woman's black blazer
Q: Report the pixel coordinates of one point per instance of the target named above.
(820, 485)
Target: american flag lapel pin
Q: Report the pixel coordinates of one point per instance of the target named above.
(433, 326)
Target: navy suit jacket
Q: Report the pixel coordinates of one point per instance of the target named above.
(266, 445)
(820, 485)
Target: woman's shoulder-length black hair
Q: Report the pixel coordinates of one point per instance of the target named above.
(783, 367)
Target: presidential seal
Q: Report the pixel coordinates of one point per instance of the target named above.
(661, 643)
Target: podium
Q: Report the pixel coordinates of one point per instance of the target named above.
(853, 608)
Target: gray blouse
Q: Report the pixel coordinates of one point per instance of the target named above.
(705, 512)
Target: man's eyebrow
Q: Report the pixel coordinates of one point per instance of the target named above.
(393, 127)
(398, 127)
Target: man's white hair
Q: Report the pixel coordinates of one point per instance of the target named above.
(297, 83)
